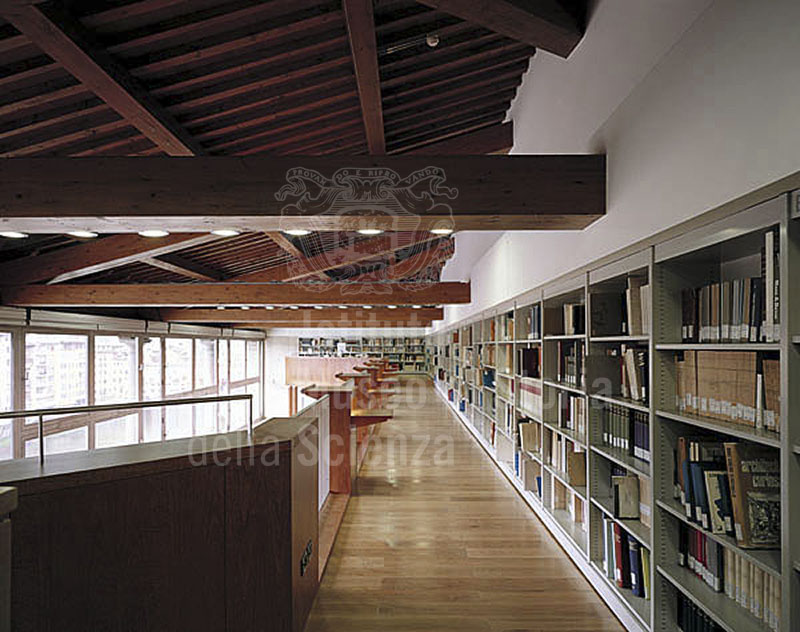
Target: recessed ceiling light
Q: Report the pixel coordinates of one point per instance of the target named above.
(245, 307)
(82, 234)
(367, 306)
(153, 233)
(13, 234)
(417, 306)
(220, 307)
(270, 307)
(342, 306)
(392, 306)
(225, 232)
(317, 306)
(293, 307)
(297, 232)
(442, 231)
(369, 231)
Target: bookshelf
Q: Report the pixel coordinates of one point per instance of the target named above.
(409, 355)
(609, 342)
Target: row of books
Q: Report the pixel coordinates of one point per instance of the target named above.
(530, 398)
(532, 323)
(570, 355)
(488, 378)
(726, 571)
(620, 371)
(507, 326)
(529, 362)
(564, 456)
(731, 489)
(530, 435)
(625, 560)
(627, 429)
(737, 310)
(736, 386)
(574, 318)
(622, 313)
(572, 412)
(692, 618)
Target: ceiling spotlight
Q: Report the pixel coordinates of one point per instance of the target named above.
(225, 232)
(297, 232)
(293, 307)
(369, 231)
(245, 307)
(417, 306)
(317, 306)
(153, 233)
(270, 307)
(220, 307)
(367, 306)
(392, 306)
(342, 306)
(442, 231)
(82, 234)
(13, 234)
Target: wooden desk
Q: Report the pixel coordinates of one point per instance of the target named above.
(339, 429)
(189, 534)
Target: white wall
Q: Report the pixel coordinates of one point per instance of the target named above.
(714, 119)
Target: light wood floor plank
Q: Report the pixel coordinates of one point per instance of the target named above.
(435, 539)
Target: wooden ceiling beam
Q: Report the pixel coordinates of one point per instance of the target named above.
(519, 192)
(292, 315)
(410, 266)
(488, 140)
(285, 244)
(361, 33)
(94, 256)
(213, 294)
(338, 258)
(343, 322)
(545, 24)
(184, 267)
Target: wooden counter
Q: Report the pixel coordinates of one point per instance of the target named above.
(213, 535)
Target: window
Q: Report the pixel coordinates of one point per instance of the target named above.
(205, 361)
(6, 396)
(152, 383)
(57, 370)
(178, 378)
(238, 371)
(116, 380)
(252, 358)
(222, 389)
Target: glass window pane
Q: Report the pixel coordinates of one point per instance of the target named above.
(115, 376)
(6, 396)
(178, 421)
(205, 419)
(151, 369)
(255, 391)
(205, 360)
(67, 441)
(121, 431)
(178, 371)
(223, 367)
(57, 369)
(239, 410)
(252, 358)
(151, 424)
(237, 360)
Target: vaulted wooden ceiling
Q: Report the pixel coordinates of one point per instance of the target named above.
(84, 78)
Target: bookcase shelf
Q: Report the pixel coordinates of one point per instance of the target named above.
(740, 431)
(719, 346)
(638, 606)
(628, 403)
(599, 300)
(634, 527)
(726, 612)
(621, 457)
(768, 560)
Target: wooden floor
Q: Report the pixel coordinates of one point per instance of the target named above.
(434, 538)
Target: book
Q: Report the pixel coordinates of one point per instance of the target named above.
(718, 500)
(622, 571)
(606, 314)
(625, 494)
(530, 437)
(754, 477)
(635, 563)
(633, 303)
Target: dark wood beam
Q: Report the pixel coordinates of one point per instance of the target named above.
(213, 294)
(494, 139)
(285, 244)
(341, 323)
(184, 267)
(301, 315)
(518, 192)
(94, 256)
(409, 266)
(338, 258)
(63, 38)
(361, 33)
(545, 24)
